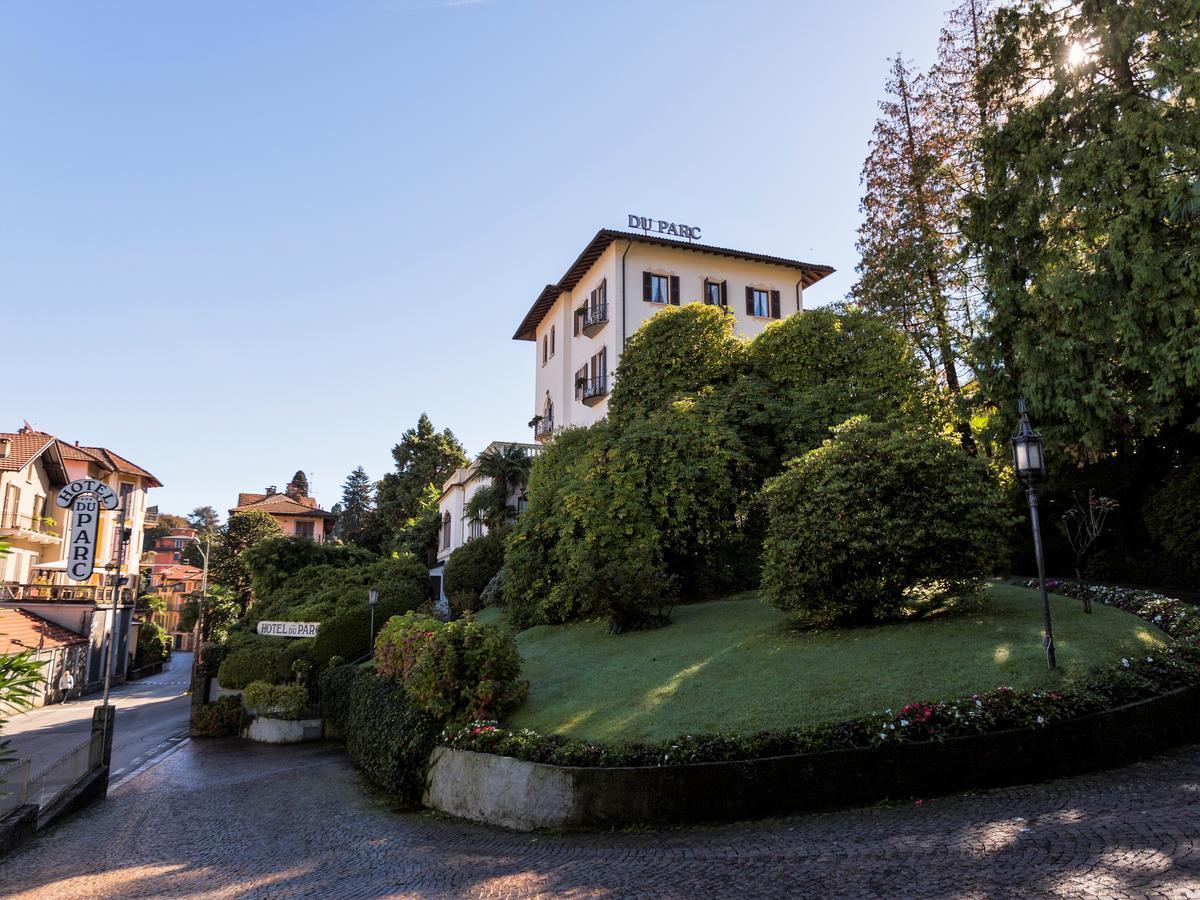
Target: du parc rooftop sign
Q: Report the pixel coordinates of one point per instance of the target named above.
(662, 226)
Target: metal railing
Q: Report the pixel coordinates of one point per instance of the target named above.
(22, 522)
(593, 315)
(45, 786)
(595, 387)
(11, 590)
(544, 427)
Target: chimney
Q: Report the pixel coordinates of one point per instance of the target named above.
(271, 490)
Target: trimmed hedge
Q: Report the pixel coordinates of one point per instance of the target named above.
(278, 701)
(388, 739)
(336, 684)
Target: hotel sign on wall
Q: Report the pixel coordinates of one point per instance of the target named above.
(84, 497)
(662, 226)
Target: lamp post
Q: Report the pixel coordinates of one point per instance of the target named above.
(204, 551)
(372, 599)
(1030, 464)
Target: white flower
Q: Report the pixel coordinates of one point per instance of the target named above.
(1126, 663)
(883, 734)
(978, 702)
(1149, 659)
(1041, 721)
(904, 722)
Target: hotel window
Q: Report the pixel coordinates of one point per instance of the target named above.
(762, 304)
(714, 293)
(580, 381)
(551, 340)
(600, 369)
(660, 288)
(545, 348)
(446, 531)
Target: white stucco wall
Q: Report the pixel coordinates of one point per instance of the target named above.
(556, 377)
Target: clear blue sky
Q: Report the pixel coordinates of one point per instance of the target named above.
(242, 238)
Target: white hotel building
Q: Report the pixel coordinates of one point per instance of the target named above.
(579, 324)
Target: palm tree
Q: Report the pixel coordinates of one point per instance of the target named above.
(508, 468)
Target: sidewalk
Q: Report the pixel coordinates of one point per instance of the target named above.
(150, 713)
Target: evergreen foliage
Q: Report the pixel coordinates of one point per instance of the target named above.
(877, 519)
(243, 530)
(357, 506)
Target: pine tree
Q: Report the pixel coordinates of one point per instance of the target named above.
(909, 271)
(356, 506)
(424, 457)
(1083, 227)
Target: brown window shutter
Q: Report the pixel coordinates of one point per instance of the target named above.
(674, 290)
(646, 286)
(577, 317)
(749, 300)
(775, 305)
(724, 296)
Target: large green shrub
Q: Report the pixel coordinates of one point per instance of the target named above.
(348, 634)
(815, 370)
(388, 737)
(220, 719)
(273, 561)
(279, 701)
(470, 568)
(678, 351)
(252, 657)
(876, 518)
(457, 670)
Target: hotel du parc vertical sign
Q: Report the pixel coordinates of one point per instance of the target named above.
(84, 497)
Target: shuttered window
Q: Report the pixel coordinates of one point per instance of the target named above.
(657, 288)
(762, 304)
(714, 293)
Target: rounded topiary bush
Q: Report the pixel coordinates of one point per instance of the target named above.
(471, 567)
(875, 519)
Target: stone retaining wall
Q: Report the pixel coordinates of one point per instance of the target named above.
(525, 796)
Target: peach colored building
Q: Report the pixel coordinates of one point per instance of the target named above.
(297, 513)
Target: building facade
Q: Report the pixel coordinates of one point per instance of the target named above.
(34, 466)
(456, 526)
(579, 324)
(296, 512)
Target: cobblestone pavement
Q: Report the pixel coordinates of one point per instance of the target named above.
(225, 819)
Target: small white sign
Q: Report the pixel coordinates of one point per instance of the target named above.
(289, 629)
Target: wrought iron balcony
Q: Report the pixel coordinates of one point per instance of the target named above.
(595, 389)
(543, 428)
(593, 318)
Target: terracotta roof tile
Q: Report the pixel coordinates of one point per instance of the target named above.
(23, 446)
(281, 505)
(121, 464)
(21, 630)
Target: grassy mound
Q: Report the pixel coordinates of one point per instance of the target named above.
(732, 665)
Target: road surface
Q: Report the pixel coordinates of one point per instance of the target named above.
(229, 818)
(151, 715)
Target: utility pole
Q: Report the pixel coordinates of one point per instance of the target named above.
(110, 646)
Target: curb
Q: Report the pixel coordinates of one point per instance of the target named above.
(153, 757)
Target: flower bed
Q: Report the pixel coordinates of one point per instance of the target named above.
(1003, 709)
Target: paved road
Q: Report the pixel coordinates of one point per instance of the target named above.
(231, 819)
(151, 714)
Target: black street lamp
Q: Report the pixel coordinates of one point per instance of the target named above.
(1030, 464)
(372, 598)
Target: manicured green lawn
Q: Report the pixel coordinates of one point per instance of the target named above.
(730, 665)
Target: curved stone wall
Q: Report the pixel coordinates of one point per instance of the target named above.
(525, 796)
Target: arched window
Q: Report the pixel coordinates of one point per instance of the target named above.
(545, 349)
(446, 531)
(551, 340)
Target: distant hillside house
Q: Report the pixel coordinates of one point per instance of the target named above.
(296, 512)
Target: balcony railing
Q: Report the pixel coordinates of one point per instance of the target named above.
(594, 389)
(543, 428)
(70, 593)
(35, 524)
(593, 318)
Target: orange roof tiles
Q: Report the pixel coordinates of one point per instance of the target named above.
(21, 631)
